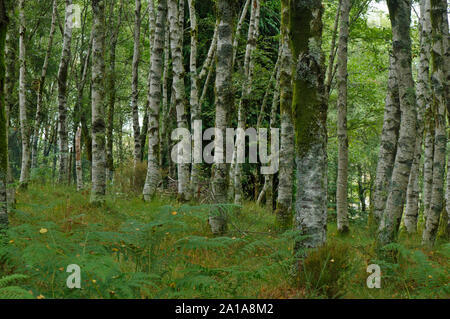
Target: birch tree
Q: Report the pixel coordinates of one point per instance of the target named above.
(135, 83)
(24, 125)
(3, 121)
(224, 100)
(400, 16)
(153, 169)
(342, 75)
(176, 20)
(423, 104)
(438, 85)
(310, 114)
(62, 97)
(283, 210)
(41, 84)
(98, 103)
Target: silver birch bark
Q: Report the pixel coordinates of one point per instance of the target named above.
(63, 146)
(3, 122)
(98, 103)
(194, 100)
(135, 83)
(423, 104)
(40, 91)
(283, 210)
(400, 16)
(176, 21)
(153, 169)
(224, 104)
(310, 113)
(388, 145)
(342, 75)
(438, 85)
(24, 125)
(10, 100)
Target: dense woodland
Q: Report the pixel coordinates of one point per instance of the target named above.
(92, 92)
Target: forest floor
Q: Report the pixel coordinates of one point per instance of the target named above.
(132, 249)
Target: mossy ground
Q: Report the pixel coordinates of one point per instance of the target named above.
(132, 249)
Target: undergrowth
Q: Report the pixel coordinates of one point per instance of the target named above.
(132, 249)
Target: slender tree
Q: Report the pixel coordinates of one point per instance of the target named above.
(423, 104)
(98, 103)
(62, 97)
(175, 17)
(285, 188)
(154, 170)
(224, 103)
(438, 85)
(310, 114)
(24, 125)
(135, 83)
(40, 91)
(400, 16)
(342, 75)
(3, 121)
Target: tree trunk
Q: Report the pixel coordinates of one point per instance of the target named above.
(24, 125)
(423, 103)
(245, 103)
(112, 91)
(400, 15)
(62, 98)
(194, 101)
(135, 84)
(176, 21)
(98, 103)
(153, 169)
(79, 168)
(310, 114)
(342, 73)
(224, 104)
(3, 122)
(40, 91)
(438, 85)
(283, 210)
(388, 145)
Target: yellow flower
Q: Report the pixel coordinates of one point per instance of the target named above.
(174, 213)
(43, 230)
(115, 249)
(94, 281)
(11, 241)
(40, 297)
(429, 276)
(332, 260)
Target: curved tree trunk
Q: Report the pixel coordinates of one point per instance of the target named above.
(388, 145)
(310, 114)
(283, 210)
(224, 104)
(342, 75)
(153, 169)
(40, 91)
(400, 15)
(63, 142)
(98, 103)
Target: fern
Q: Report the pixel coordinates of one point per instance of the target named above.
(8, 291)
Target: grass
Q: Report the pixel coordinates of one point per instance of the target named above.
(132, 249)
